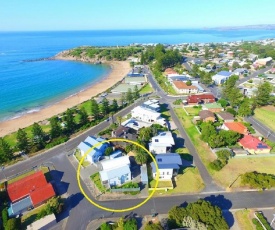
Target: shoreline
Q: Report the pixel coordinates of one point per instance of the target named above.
(118, 71)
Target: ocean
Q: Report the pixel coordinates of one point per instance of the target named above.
(26, 87)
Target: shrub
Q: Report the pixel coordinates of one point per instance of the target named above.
(258, 180)
(5, 216)
(57, 141)
(263, 220)
(217, 165)
(108, 151)
(177, 102)
(257, 224)
(224, 154)
(232, 111)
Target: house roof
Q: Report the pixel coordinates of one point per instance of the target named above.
(199, 97)
(20, 206)
(236, 126)
(164, 166)
(205, 114)
(115, 172)
(168, 158)
(163, 139)
(214, 105)
(121, 130)
(115, 163)
(224, 73)
(170, 71)
(251, 142)
(226, 116)
(25, 186)
(42, 194)
(182, 85)
(34, 186)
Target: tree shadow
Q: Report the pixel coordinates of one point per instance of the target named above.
(71, 202)
(224, 204)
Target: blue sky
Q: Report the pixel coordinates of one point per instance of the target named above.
(132, 14)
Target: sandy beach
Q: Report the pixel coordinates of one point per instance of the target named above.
(119, 70)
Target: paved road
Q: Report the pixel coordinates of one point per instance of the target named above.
(261, 128)
(208, 181)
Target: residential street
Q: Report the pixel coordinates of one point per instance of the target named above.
(80, 212)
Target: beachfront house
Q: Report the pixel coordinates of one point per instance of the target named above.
(221, 77)
(182, 88)
(97, 152)
(115, 172)
(152, 104)
(162, 143)
(168, 164)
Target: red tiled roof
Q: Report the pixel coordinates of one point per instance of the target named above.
(200, 97)
(250, 142)
(42, 194)
(236, 126)
(29, 185)
(182, 85)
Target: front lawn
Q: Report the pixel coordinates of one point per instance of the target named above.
(266, 115)
(243, 219)
(193, 111)
(146, 89)
(202, 148)
(97, 181)
(78, 156)
(189, 181)
(238, 166)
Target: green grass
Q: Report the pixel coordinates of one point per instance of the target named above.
(189, 181)
(45, 170)
(202, 148)
(146, 89)
(161, 184)
(266, 115)
(244, 220)
(96, 179)
(192, 111)
(30, 217)
(78, 156)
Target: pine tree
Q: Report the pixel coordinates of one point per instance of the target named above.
(114, 105)
(123, 99)
(129, 96)
(56, 130)
(263, 94)
(245, 108)
(6, 153)
(38, 136)
(83, 120)
(23, 141)
(95, 109)
(136, 92)
(104, 108)
(69, 121)
(231, 92)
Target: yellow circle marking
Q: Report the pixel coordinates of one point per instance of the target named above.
(109, 209)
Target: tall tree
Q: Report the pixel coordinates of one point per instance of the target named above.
(23, 141)
(6, 153)
(56, 130)
(123, 99)
(95, 109)
(141, 157)
(231, 92)
(263, 94)
(129, 96)
(104, 108)
(207, 130)
(69, 121)
(145, 134)
(136, 92)
(38, 136)
(119, 119)
(83, 120)
(245, 108)
(114, 105)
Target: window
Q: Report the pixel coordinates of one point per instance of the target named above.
(167, 173)
(159, 160)
(156, 140)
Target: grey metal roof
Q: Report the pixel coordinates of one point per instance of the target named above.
(113, 173)
(168, 158)
(20, 206)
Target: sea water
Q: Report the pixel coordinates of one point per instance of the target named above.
(29, 86)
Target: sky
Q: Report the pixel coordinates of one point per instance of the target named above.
(37, 15)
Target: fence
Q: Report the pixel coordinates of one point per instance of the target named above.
(125, 189)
